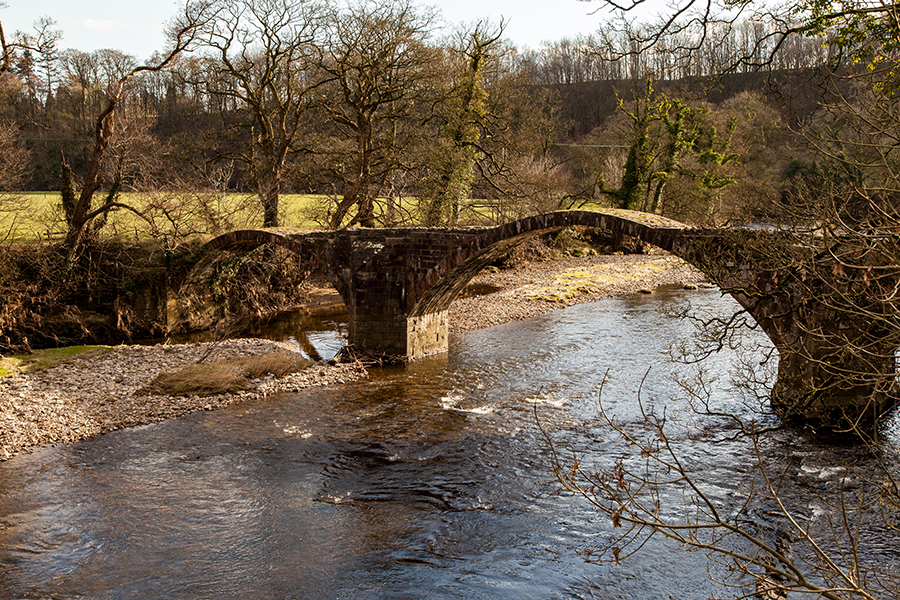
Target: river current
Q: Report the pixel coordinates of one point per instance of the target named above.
(431, 480)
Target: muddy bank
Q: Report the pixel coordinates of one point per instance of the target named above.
(116, 291)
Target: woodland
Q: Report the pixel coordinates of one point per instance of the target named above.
(389, 116)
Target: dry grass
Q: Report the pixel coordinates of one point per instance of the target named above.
(226, 376)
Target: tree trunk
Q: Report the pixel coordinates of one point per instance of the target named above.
(270, 197)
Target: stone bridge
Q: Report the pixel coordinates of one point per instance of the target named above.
(398, 285)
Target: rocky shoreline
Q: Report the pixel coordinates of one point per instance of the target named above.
(95, 392)
(540, 287)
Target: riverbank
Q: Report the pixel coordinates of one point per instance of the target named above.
(99, 391)
(539, 287)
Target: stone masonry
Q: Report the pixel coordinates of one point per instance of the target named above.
(398, 285)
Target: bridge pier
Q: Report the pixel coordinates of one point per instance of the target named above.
(834, 389)
(835, 360)
(381, 321)
(374, 330)
(834, 366)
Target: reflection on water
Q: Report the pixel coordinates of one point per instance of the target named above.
(427, 481)
(318, 333)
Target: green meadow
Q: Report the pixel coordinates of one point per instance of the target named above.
(38, 216)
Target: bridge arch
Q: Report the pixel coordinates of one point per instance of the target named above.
(435, 289)
(315, 247)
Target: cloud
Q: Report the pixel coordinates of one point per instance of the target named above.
(104, 26)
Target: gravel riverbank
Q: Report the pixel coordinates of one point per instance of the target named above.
(540, 287)
(96, 392)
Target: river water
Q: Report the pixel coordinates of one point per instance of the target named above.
(431, 480)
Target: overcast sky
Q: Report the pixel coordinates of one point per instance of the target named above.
(134, 26)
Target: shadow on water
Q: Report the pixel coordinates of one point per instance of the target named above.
(317, 332)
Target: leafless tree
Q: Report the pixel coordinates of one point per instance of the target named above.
(754, 528)
(263, 52)
(78, 206)
(379, 73)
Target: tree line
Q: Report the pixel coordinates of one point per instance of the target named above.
(369, 104)
(358, 102)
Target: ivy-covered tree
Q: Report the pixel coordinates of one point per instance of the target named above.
(450, 181)
(632, 193)
(664, 133)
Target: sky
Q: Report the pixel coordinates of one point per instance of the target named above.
(135, 27)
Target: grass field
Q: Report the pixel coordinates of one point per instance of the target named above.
(37, 216)
(33, 216)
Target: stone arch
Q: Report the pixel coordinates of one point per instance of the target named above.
(434, 290)
(193, 307)
(250, 238)
(315, 247)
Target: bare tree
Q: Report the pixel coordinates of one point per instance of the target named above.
(262, 65)
(756, 533)
(5, 47)
(833, 239)
(78, 206)
(82, 73)
(15, 164)
(704, 31)
(379, 71)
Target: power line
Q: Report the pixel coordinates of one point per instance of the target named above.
(589, 146)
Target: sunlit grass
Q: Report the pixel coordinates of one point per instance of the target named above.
(577, 282)
(38, 216)
(35, 216)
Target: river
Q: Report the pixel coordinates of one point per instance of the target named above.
(431, 480)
